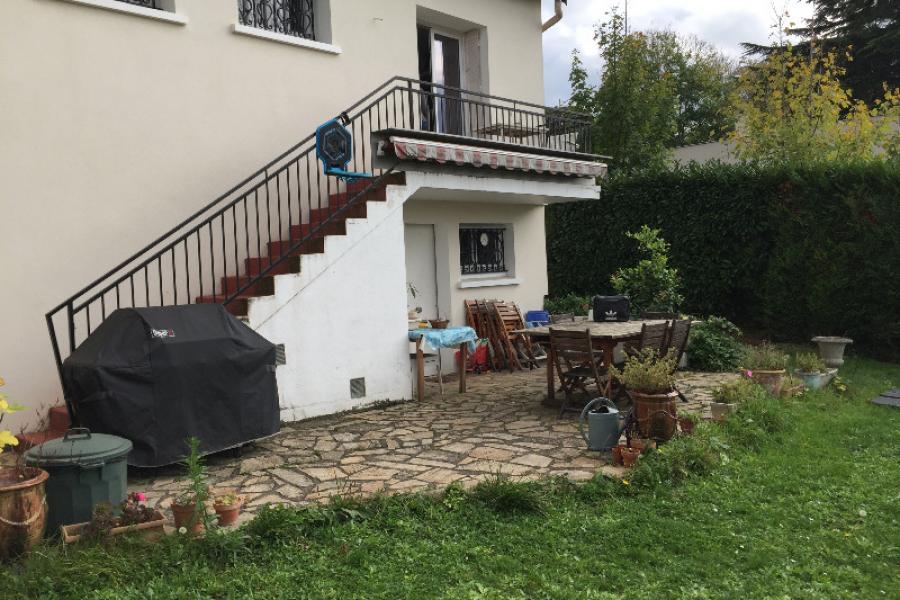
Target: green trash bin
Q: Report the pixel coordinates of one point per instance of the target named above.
(85, 469)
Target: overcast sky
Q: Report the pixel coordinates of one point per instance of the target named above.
(724, 23)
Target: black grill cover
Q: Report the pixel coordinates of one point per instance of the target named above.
(158, 376)
(611, 308)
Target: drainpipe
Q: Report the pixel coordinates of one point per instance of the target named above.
(557, 15)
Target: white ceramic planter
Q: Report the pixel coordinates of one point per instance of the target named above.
(831, 349)
(816, 381)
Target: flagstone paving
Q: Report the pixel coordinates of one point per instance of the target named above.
(498, 427)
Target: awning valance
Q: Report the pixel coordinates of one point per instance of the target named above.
(406, 148)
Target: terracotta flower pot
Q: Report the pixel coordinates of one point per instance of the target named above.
(687, 426)
(655, 414)
(227, 514)
(23, 510)
(630, 456)
(184, 517)
(617, 455)
(151, 530)
(770, 380)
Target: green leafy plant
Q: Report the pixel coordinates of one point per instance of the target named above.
(738, 391)
(197, 492)
(715, 345)
(652, 285)
(6, 436)
(570, 303)
(647, 372)
(809, 362)
(765, 357)
(503, 495)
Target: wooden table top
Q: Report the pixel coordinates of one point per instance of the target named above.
(608, 330)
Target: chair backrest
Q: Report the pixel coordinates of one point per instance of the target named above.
(650, 316)
(571, 346)
(653, 335)
(562, 318)
(678, 337)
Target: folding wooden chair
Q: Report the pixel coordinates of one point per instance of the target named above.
(509, 320)
(577, 363)
(679, 331)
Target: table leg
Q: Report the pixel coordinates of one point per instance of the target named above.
(463, 359)
(608, 349)
(551, 383)
(420, 371)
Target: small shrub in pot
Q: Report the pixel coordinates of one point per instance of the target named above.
(766, 364)
(189, 507)
(812, 370)
(650, 381)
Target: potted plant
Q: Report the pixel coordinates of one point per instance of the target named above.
(727, 397)
(687, 422)
(766, 366)
(812, 370)
(650, 381)
(23, 505)
(228, 507)
(189, 507)
(831, 349)
(134, 517)
(630, 455)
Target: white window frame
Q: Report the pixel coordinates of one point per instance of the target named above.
(166, 14)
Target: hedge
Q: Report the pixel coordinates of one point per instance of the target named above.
(795, 251)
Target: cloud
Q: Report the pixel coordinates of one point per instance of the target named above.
(718, 22)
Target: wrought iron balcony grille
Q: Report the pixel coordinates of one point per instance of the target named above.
(481, 250)
(289, 17)
(144, 3)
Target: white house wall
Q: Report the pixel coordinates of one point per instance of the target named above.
(117, 126)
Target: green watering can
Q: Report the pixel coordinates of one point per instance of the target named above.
(605, 424)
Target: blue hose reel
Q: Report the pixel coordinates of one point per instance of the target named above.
(334, 147)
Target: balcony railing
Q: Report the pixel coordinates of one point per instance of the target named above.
(288, 17)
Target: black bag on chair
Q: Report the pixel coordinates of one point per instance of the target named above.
(611, 308)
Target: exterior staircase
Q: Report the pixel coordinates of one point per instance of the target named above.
(315, 244)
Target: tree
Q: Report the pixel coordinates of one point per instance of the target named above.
(656, 91)
(870, 29)
(793, 108)
(652, 285)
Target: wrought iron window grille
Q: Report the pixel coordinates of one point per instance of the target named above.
(288, 17)
(144, 3)
(482, 250)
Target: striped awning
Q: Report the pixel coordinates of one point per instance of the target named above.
(441, 152)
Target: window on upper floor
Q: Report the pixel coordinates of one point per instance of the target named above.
(482, 249)
(287, 17)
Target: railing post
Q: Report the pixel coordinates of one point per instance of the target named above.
(70, 317)
(409, 93)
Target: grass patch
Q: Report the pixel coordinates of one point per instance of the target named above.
(790, 499)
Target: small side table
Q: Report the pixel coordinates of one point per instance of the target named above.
(434, 340)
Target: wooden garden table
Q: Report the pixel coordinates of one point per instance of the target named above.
(604, 335)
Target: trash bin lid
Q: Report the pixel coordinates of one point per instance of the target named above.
(78, 447)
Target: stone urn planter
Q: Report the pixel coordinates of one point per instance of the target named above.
(831, 349)
(655, 414)
(23, 510)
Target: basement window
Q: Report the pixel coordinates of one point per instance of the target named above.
(483, 249)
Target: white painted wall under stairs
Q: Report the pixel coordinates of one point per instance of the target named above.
(339, 317)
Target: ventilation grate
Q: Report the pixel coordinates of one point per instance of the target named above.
(280, 356)
(358, 387)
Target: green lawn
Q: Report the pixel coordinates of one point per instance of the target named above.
(811, 512)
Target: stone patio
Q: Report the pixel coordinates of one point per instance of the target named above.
(498, 426)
